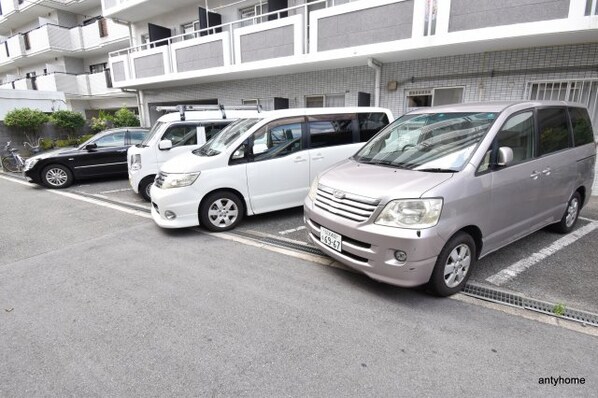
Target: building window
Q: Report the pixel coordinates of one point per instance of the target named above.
(321, 101)
(26, 41)
(430, 17)
(188, 30)
(581, 91)
(103, 27)
(253, 11)
(97, 68)
(422, 98)
(267, 104)
(591, 7)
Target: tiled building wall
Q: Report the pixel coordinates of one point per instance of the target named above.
(512, 70)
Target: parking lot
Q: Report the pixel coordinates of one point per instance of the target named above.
(544, 266)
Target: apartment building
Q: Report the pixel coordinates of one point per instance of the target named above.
(398, 54)
(62, 46)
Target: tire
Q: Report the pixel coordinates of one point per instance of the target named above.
(570, 216)
(145, 185)
(453, 265)
(10, 165)
(57, 176)
(221, 211)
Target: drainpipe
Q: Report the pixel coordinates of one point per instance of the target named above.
(143, 116)
(377, 66)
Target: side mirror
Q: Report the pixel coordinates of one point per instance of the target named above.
(91, 147)
(505, 156)
(165, 145)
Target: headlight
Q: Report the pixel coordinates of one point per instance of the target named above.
(135, 162)
(313, 190)
(29, 163)
(179, 180)
(411, 213)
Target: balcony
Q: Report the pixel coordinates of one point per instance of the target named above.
(141, 10)
(315, 36)
(17, 13)
(49, 41)
(77, 86)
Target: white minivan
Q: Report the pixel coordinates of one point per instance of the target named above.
(259, 164)
(187, 129)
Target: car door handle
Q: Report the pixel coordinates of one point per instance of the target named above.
(299, 159)
(535, 174)
(317, 157)
(547, 171)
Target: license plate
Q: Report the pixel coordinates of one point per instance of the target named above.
(331, 239)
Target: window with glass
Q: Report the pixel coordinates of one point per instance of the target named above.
(330, 130)
(582, 127)
(553, 130)
(221, 141)
(181, 134)
(111, 140)
(277, 139)
(370, 124)
(435, 142)
(136, 137)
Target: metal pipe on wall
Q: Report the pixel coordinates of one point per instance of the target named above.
(377, 66)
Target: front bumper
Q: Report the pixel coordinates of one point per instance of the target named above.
(183, 202)
(370, 248)
(32, 175)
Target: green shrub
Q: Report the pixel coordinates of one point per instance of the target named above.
(46, 143)
(125, 118)
(69, 121)
(26, 121)
(102, 122)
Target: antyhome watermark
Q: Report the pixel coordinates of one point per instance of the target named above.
(555, 381)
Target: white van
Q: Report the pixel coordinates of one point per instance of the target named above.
(187, 129)
(260, 164)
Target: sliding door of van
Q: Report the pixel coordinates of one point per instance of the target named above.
(557, 161)
(515, 190)
(331, 139)
(278, 173)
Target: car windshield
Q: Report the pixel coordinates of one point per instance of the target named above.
(155, 128)
(432, 142)
(225, 137)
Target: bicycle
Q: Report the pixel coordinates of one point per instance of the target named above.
(12, 161)
(34, 149)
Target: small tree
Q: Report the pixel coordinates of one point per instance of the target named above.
(68, 121)
(125, 118)
(27, 121)
(102, 122)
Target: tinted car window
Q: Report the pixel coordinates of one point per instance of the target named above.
(370, 124)
(111, 140)
(137, 137)
(582, 127)
(213, 129)
(181, 134)
(553, 130)
(330, 130)
(277, 140)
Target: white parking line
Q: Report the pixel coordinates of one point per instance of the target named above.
(289, 231)
(515, 269)
(117, 190)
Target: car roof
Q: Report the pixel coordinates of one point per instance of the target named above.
(244, 114)
(491, 106)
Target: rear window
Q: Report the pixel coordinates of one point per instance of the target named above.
(582, 127)
(370, 124)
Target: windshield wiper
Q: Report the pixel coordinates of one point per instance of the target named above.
(438, 170)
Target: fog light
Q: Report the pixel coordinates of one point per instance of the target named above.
(401, 256)
(169, 215)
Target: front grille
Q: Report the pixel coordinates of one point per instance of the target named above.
(160, 179)
(354, 207)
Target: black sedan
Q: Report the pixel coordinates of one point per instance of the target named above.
(104, 154)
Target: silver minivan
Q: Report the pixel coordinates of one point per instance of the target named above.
(443, 187)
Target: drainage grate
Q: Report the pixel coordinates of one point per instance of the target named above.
(516, 300)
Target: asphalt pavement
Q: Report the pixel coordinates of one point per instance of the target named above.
(99, 302)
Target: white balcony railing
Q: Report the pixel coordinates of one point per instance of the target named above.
(322, 30)
(52, 37)
(83, 85)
